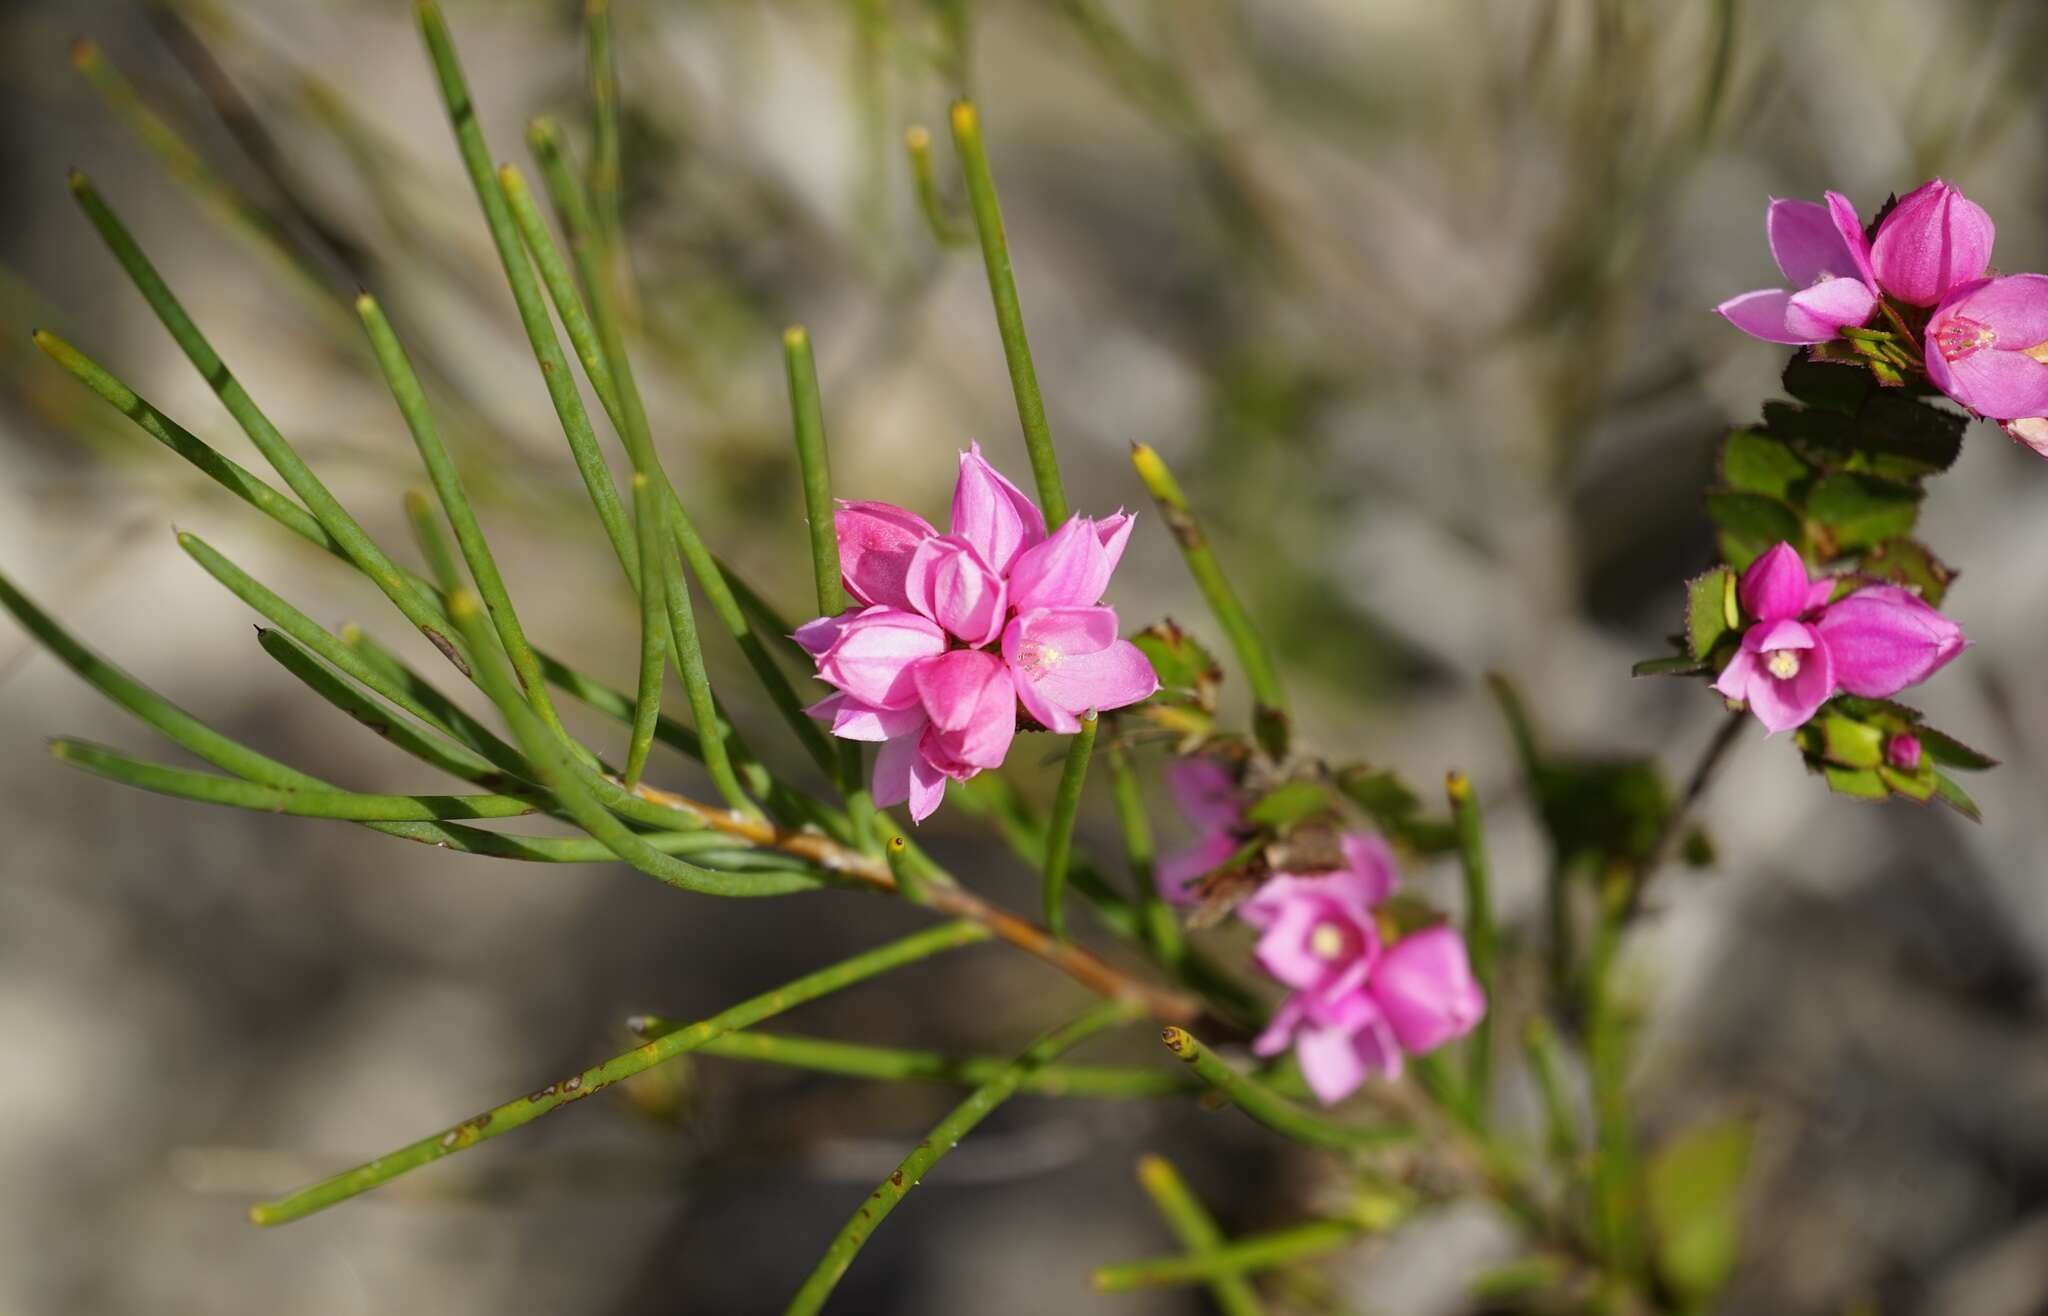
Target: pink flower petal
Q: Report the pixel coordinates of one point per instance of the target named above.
(1733, 682)
(1851, 230)
(1206, 791)
(1068, 661)
(1775, 585)
(1116, 533)
(851, 719)
(1996, 384)
(1806, 243)
(875, 654)
(1177, 872)
(1369, 867)
(1762, 314)
(1826, 308)
(1424, 986)
(1331, 1063)
(948, 582)
(2031, 431)
(969, 697)
(1884, 639)
(1784, 703)
(816, 636)
(875, 544)
(1934, 239)
(992, 514)
(1071, 569)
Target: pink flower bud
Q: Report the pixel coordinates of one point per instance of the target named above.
(1903, 752)
(1934, 240)
(948, 582)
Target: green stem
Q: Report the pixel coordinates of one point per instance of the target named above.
(943, 1138)
(533, 313)
(162, 779)
(469, 535)
(1282, 1247)
(1269, 700)
(1059, 848)
(1191, 1223)
(648, 519)
(897, 1065)
(1479, 933)
(432, 544)
(1161, 925)
(714, 737)
(1269, 1107)
(1002, 288)
(606, 178)
(326, 509)
(524, 1110)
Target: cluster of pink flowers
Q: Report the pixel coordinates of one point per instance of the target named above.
(1800, 650)
(1984, 339)
(951, 633)
(1358, 1002)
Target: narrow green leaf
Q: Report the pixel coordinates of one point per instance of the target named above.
(1952, 753)
(162, 779)
(524, 1110)
(943, 1138)
(1002, 287)
(398, 586)
(650, 521)
(1066, 806)
(1162, 928)
(1269, 1108)
(1269, 700)
(896, 1065)
(1243, 1256)
(946, 230)
(1192, 1225)
(1675, 665)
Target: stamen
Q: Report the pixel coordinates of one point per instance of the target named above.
(1327, 941)
(1783, 664)
(1962, 337)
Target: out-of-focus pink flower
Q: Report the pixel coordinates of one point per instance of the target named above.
(1821, 252)
(952, 631)
(1987, 346)
(1318, 931)
(1802, 650)
(1903, 752)
(1934, 240)
(1408, 999)
(1209, 798)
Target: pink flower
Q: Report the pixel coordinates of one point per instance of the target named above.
(1987, 346)
(1208, 796)
(953, 631)
(1357, 1009)
(1934, 240)
(1318, 934)
(1821, 252)
(1802, 650)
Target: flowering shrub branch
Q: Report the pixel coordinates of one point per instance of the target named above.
(1377, 1039)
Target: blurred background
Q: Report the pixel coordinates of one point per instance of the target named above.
(1412, 293)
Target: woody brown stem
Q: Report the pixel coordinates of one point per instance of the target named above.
(1083, 966)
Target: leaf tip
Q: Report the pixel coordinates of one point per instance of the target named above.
(84, 51)
(796, 338)
(1458, 786)
(966, 119)
(917, 138)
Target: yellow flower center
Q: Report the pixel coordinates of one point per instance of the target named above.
(1327, 941)
(1783, 664)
